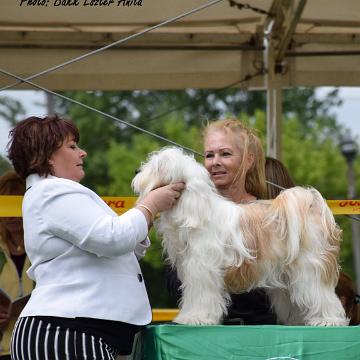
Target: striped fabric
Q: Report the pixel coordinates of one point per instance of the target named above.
(35, 339)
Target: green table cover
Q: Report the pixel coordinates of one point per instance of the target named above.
(180, 342)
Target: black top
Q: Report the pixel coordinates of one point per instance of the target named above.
(251, 308)
(19, 261)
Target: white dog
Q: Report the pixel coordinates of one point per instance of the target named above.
(288, 245)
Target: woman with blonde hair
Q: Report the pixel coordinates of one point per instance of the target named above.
(238, 145)
(235, 160)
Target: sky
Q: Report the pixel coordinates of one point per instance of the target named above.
(347, 114)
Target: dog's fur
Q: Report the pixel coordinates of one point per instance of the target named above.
(288, 245)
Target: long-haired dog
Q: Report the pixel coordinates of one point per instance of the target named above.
(288, 245)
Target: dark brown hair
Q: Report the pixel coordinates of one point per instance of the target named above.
(277, 173)
(346, 292)
(34, 140)
(11, 184)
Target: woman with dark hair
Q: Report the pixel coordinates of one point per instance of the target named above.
(277, 177)
(13, 263)
(90, 298)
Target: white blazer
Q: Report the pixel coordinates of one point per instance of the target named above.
(83, 255)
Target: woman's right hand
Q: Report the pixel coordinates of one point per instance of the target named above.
(162, 198)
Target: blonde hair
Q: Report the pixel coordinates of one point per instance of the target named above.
(249, 143)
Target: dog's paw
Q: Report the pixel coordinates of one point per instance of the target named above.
(195, 319)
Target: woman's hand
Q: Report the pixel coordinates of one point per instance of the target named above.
(160, 199)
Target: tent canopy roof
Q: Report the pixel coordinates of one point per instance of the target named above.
(211, 48)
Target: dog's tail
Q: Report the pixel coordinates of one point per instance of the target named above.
(309, 224)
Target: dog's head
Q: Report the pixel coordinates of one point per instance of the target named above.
(168, 165)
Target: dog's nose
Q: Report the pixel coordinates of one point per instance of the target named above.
(137, 171)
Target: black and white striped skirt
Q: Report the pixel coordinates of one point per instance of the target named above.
(36, 339)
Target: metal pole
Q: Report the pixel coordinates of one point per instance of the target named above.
(355, 230)
(50, 103)
(273, 103)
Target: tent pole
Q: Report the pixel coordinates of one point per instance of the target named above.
(273, 105)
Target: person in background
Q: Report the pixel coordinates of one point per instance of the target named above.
(277, 177)
(349, 298)
(90, 298)
(235, 160)
(14, 263)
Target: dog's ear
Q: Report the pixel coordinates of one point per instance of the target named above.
(137, 183)
(144, 180)
(154, 172)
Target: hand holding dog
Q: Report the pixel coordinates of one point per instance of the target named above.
(161, 199)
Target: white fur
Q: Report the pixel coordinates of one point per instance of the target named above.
(289, 246)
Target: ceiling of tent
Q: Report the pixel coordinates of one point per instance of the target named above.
(211, 48)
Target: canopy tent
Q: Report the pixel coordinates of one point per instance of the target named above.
(260, 44)
(253, 43)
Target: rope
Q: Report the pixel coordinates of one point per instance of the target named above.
(246, 78)
(121, 41)
(356, 218)
(126, 123)
(276, 185)
(97, 111)
(232, 3)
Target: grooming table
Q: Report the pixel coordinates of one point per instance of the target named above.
(180, 342)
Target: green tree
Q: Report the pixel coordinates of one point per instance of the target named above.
(4, 165)
(10, 110)
(151, 110)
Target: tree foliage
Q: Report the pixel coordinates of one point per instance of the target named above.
(310, 143)
(10, 111)
(4, 165)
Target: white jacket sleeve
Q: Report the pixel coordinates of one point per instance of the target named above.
(141, 248)
(75, 216)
